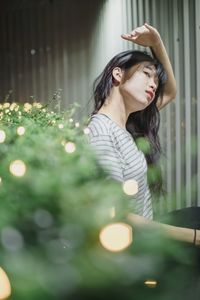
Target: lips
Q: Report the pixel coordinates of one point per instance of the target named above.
(151, 94)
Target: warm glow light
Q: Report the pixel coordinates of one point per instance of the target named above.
(151, 283)
(2, 136)
(86, 130)
(18, 168)
(71, 120)
(27, 107)
(6, 105)
(20, 130)
(116, 237)
(0, 180)
(37, 104)
(13, 106)
(77, 124)
(5, 288)
(130, 187)
(61, 126)
(70, 147)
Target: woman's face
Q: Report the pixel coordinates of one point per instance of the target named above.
(138, 86)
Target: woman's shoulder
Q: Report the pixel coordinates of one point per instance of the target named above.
(100, 125)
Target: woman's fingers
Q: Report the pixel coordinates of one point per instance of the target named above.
(148, 26)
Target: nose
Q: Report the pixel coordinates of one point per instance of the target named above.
(153, 85)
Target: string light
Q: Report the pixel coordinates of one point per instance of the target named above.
(70, 147)
(0, 180)
(13, 106)
(27, 107)
(151, 283)
(2, 136)
(116, 237)
(86, 130)
(5, 288)
(71, 120)
(61, 126)
(6, 105)
(21, 130)
(130, 187)
(37, 104)
(17, 168)
(77, 124)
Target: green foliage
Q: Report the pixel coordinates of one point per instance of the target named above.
(51, 217)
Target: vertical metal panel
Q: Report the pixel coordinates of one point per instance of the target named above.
(47, 47)
(178, 120)
(187, 101)
(197, 27)
(140, 12)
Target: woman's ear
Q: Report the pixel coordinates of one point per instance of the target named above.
(117, 75)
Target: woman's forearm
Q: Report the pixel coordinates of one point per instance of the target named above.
(177, 233)
(160, 53)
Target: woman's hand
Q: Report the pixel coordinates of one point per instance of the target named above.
(145, 35)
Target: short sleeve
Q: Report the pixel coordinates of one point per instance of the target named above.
(108, 156)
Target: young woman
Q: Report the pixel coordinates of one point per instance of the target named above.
(128, 95)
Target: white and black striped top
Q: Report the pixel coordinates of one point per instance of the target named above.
(118, 154)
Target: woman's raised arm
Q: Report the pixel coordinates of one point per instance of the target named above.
(148, 36)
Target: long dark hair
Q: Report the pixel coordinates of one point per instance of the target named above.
(142, 124)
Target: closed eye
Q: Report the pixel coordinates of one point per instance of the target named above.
(147, 73)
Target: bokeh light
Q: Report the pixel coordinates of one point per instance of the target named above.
(151, 283)
(70, 147)
(5, 287)
(60, 126)
(20, 130)
(27, 107)
(116, 237)
(130, 187)
(37, 105)
(2, 136)
(43, 218)
(6, 105)
(86, 130)
(12, 239)
(17, 168)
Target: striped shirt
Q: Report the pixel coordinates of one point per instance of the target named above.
(117, 152)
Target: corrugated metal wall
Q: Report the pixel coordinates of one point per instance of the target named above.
(59, 44)
(46, 46)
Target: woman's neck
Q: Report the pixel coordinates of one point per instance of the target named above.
(114, 108)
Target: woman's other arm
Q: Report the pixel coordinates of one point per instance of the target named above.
(177, 233)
